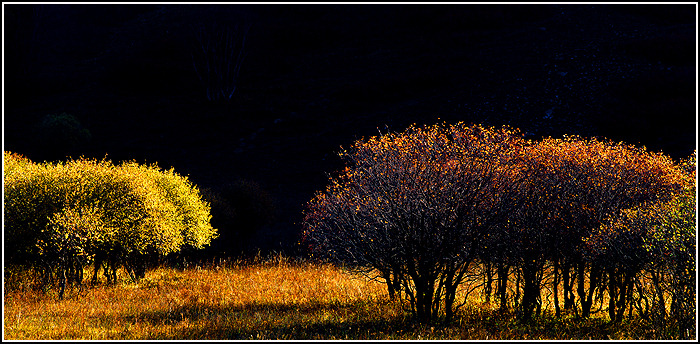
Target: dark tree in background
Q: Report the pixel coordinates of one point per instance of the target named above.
(316, 77)
(217, 58)
(239, 210)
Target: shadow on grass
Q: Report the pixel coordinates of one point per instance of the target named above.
(362, 319)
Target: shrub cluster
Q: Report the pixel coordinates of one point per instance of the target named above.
(60, 217)
(415, 206)
(432, 205)
(654, 242)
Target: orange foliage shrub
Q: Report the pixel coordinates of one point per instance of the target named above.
(421, 205)
(570, 186)
(416, 206)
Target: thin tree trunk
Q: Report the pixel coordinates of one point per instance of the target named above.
(62, 283)
(489, 281)
(612, 293)
(531, 290)
(557, 309)
(568, 281)
(502, 285)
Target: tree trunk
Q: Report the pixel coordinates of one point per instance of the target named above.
(489, 280)
(452, 282)
(557, 309)
(568, 286)
(531, 290)
(389, 285)
(502, 285)
(622, 301)
(586, 298)
(98, 265)
(450, 294)
(62, 282)
(517, 287)
(612, 294)
(659, 305)
(423, 301)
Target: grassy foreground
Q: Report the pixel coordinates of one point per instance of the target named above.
(274, 299)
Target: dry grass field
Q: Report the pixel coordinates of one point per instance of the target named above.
(274, 298)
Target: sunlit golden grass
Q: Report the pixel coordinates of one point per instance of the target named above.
(275, 299)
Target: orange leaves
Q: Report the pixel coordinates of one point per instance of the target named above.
(431, 193)
(425, 179)
(472, 172)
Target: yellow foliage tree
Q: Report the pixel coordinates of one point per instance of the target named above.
(62, 216)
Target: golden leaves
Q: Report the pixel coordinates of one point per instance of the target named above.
(131, 206)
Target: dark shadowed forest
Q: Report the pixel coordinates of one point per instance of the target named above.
(130, 82)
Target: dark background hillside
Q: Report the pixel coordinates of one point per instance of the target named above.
(316, 77)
